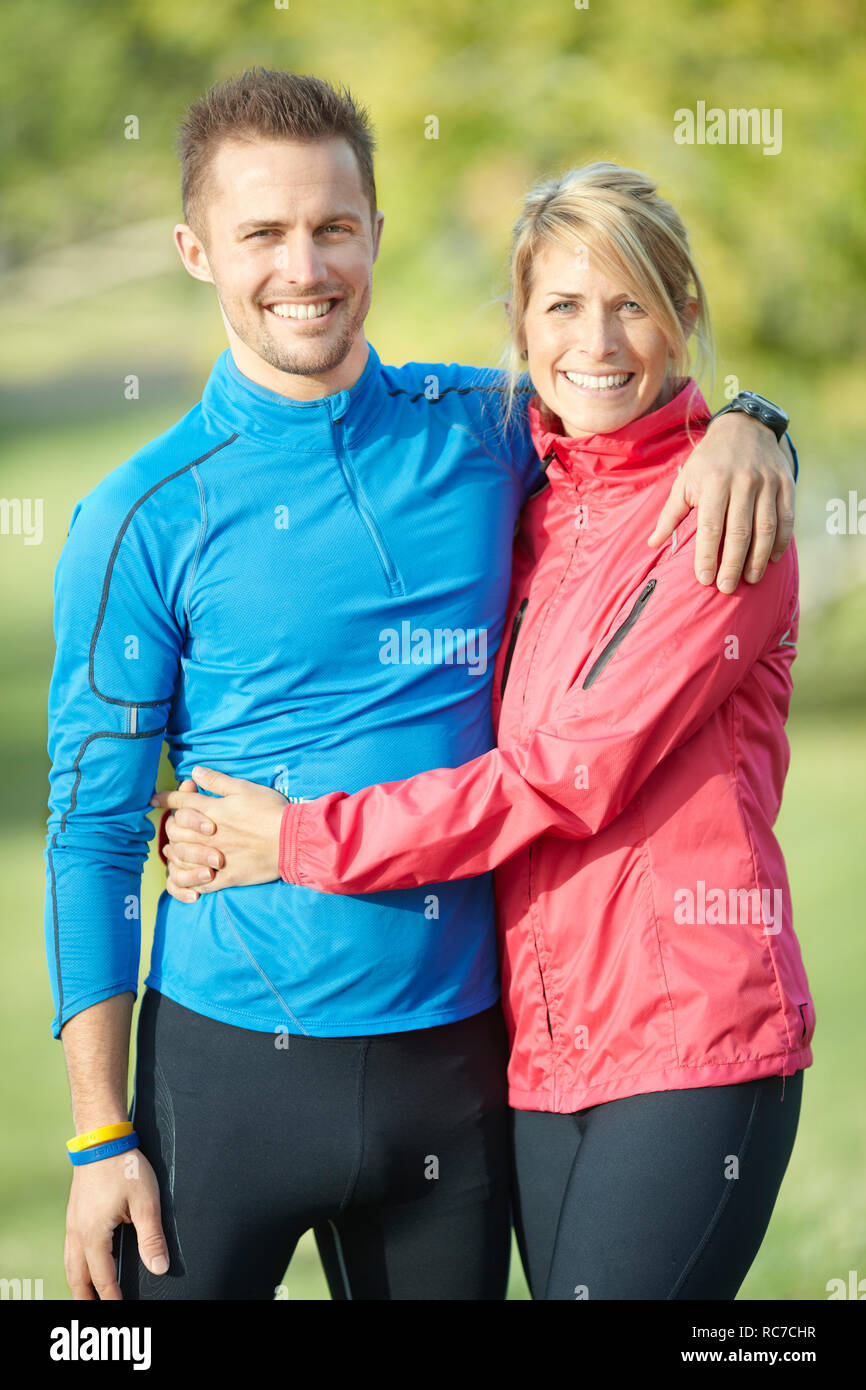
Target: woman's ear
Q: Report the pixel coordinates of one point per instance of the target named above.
(689, 317)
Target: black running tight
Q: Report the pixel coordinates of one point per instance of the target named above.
(659, 1196)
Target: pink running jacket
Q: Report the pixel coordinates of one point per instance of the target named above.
(644, 915)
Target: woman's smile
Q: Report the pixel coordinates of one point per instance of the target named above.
(599, 385)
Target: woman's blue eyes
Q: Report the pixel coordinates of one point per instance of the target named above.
(569, 304)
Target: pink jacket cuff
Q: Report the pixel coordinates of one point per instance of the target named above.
(288, 860)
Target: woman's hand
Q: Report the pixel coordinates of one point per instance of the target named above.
(224, 842)
(740, 479)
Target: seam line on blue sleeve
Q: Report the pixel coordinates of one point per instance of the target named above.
(156, 733)
(76, 766)
(202, 500)
(100, 617)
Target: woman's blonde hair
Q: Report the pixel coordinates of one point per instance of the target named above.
(632, 235)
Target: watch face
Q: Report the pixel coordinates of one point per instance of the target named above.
(771, 414)
(753, 396)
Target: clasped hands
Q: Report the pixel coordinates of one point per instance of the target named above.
(241, 846)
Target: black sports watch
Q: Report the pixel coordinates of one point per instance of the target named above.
(773, 416)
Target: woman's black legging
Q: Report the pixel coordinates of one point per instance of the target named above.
(659, 1196)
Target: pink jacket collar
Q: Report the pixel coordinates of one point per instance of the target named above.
(637, 453)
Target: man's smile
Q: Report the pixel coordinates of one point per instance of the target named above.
(301, 311)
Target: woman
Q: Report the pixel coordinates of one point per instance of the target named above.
(658, 1010)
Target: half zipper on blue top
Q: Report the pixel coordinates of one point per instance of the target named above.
(392, 575)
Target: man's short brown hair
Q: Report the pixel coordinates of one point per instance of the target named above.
(268, 104)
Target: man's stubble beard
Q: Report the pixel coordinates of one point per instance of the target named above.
(316, 360)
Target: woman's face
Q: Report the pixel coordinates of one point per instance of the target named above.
(596, 359)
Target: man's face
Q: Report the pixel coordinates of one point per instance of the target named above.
(287, 241)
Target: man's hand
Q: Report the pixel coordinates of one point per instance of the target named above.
(104, 1194)
(224, 842)
(742, 483)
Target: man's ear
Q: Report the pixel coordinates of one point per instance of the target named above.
(377, 233)
(192, 252)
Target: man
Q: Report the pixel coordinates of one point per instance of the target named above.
(303, 1061)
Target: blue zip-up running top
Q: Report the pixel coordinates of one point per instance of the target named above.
(309, 595)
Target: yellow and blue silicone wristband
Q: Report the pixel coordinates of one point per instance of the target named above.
(109, 1150)
(99, 1136)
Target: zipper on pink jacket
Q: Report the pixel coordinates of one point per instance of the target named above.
(640, 603)
(515, 628)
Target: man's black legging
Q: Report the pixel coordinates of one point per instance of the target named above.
(659, 1196)
(392, 1148)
